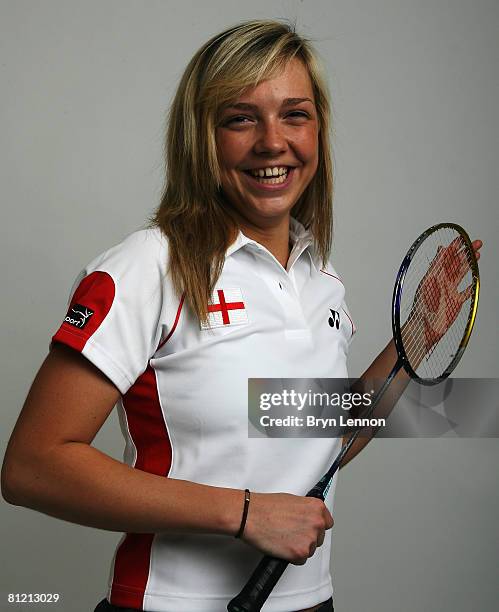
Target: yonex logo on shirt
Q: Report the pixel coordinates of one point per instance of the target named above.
(334, 319)
(78, 316)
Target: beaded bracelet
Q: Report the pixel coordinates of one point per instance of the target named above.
(245, 513)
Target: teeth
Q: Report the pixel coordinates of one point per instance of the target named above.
(268, 172)
(273, 180)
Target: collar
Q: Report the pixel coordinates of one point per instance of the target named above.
(301, 238)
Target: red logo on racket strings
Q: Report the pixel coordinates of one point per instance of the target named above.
(226, 308)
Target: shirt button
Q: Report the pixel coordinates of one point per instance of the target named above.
(280, 285)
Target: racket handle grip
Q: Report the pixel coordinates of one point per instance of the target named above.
(317, 491)
(267, 573)
(259, 586)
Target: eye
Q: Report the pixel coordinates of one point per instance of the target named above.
(239, 119)
(298, 114)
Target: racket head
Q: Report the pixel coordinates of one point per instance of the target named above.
(440, 268)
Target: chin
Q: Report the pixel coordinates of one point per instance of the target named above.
(272, 212)
(253, 208)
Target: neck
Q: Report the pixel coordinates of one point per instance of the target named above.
(274, 237)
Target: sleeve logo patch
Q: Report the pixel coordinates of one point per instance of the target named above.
(78, 316)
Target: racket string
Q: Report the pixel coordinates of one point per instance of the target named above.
(417, 348)
(432, 314)
(419, 353)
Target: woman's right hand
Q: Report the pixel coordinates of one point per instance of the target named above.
(286, 526)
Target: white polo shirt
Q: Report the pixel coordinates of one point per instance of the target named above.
(184, 404)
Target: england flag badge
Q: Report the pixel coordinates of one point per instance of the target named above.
(226, 307)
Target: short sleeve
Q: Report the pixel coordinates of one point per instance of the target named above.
(116, 306)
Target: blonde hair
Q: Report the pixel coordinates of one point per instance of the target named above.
(193, 212)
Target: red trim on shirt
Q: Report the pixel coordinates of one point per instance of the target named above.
(154, 455)
(350, 319)
(336, 277)
(95, 292)
(174, 327)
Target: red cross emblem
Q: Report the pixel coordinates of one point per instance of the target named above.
(227, 308)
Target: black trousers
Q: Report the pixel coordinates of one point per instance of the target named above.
(105, 606)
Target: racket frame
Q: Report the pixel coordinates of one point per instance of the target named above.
(397, 296)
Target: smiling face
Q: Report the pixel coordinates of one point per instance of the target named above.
(270, 131)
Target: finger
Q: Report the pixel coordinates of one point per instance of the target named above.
(457, 268)
(320, 539)
(329, 520)
(466, 258)
(476, 245)
(300, 562)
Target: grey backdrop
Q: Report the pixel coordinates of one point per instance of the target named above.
(85, 87)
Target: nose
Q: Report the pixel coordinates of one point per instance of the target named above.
(270, 139)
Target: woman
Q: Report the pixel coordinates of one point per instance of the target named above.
(230, 281)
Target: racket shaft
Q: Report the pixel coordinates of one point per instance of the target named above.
(259, 586)
(322, 486)
(267, 573)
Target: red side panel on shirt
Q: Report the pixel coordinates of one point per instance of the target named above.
(89, 306)
(154, 454)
